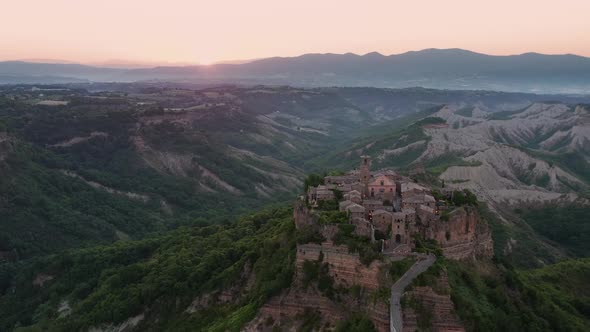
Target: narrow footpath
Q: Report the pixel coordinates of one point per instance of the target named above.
(395, 310)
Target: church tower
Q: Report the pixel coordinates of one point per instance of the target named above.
(365, 174)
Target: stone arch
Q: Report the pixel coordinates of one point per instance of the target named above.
(398, 238)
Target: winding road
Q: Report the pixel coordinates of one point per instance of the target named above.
(395, 311)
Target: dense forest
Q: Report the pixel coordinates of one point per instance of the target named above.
(494, 296)
(566, 225)
(159, 277)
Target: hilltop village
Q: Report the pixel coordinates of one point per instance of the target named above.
(392, 209)
(362, 238)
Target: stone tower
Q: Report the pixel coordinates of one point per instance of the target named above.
(365, 174)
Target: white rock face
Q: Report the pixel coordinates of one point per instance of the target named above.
(501, 170)
(127, 325)
(395, 152)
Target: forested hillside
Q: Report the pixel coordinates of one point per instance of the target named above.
(214, 278)
(175, 282)
(120, 203)
(134, 159)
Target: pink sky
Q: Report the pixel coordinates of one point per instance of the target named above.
(205, 31)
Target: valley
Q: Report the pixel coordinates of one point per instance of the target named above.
(131, 207)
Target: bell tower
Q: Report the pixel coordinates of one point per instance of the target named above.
(365, 174)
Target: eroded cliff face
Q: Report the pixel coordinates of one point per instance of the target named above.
(231, 294)
(289, 309)
(431, 306)
(463, 236)
(302, 215)
(346, 270)
(304, 218)
(345, 267)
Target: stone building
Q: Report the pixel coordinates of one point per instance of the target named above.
(407, 214)
(382, 187)
(365, 174)
(353, 196)
(341, 180)
(391, 204)
(382, 220)
(371, 205)
(407, 188)
(414, 200)
(320, 193)
(356, 211)
(344, 204)
(400, 227)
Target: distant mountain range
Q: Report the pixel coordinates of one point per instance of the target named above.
(432, 68)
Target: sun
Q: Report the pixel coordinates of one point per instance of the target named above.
(206, 62)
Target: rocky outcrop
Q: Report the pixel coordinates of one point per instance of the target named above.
(379, 314)
(305, 218)
(96, 185)
(430, 306)
(127, 325)
(346, 268)
(347, 271)
(302, 215)
(79, 139)
(463, 236)
(286, 308)
(231, 294)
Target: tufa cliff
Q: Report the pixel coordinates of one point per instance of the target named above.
(463, 236)
(354, 287)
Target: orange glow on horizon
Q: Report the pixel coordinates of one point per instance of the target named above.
(206, 31)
